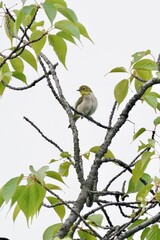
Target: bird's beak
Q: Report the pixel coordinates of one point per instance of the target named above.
(78, 90)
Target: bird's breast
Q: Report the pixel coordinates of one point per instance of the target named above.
(88, 104)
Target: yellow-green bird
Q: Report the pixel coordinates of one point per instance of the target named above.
(87, 103)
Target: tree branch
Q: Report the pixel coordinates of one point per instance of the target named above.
(139, 227)
(28, 86)
(112, 114)
(66, 107)
(46, 138)
(89, 118)
(103, 149)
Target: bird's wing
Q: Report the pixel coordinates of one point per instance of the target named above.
(79, 101)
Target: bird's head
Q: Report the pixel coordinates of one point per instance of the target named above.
(84, 90)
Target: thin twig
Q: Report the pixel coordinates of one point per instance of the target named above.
(18, 47)
(46, 138)
(105, 214)
(89, 118)
(138, 78)
(57, 204)
(69, 207)
(26, 87)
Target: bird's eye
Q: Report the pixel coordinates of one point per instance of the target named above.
(83, 88)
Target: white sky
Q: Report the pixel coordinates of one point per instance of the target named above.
(118, 29)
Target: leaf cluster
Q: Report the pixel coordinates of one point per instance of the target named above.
(33, 35)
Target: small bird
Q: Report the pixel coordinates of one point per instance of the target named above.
(86, 104)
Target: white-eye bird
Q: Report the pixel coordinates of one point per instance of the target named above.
(87, 103)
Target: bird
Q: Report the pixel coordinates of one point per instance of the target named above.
(86, 104)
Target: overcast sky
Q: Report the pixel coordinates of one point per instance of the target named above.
(118, 29)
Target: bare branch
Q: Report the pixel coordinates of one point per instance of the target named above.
(60, 97)
(57, 204)
(139, 227)
(112, 114)
(139, 79)
(46, 138)
(69, 207)
(89, 118)
(26, 87)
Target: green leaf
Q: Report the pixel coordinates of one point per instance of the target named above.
(153, 233)
(151, 99)
(20, 76)
(31, 199)
(60, 2)
(50, 10)
(95, 149)
(109, 154)
(150, 144)
(64, 169)
(53, 160)
(9, 27)
(158, 74)
(59, 47)
(138, 84)
(37, 24)
(83, 31)
(54, 175)
(60, 210)
(118, 70)
(38, 44)
(140, 166)
(29, 12)
(16, 212)
(40, 174)
(144, 74)
(157, 196)
(68, 27)
(20, 18)
(19, 191)
(144, 233)
(146, 64)
(66, 37)
(86, 234)
(138, 133)
(96, 219)
(51, 231)
(158, 106)
(65, 154)
(156, 121)
(121, 90)
(1, 198)
(29, 58)
(143, 192)
(23, 1)
(136, 223)
(10, 187)
(68, 13)
(5, 75)
(133, 189)
(139, 55)
(86, 155)
(52, 186)
(17, 64)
